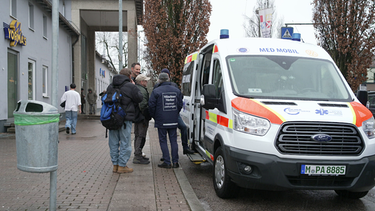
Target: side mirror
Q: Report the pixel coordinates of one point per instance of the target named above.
(209, 94)
(362, 96)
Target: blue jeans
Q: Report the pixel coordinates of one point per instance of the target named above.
(184, 136)
(71, 120)
(172, 132)
(120, 147)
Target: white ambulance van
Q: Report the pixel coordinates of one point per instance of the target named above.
(276, 114)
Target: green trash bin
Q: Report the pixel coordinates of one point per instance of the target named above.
(37, 127)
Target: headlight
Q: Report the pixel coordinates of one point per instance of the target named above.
(250, 124)
(368, 127)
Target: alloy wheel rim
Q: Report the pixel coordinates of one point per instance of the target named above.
(219, 171)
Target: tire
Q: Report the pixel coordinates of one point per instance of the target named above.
(350, 194)
(224, 187)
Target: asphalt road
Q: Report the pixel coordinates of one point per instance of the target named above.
(200, 178)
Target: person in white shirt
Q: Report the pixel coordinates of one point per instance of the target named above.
(72, 107)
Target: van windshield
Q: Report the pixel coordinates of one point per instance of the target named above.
(282, 77)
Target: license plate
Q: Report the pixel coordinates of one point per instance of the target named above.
(323, 170)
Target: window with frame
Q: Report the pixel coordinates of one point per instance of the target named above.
(63, 8)
(13, 8)
(31, 16)
(187, 75)
(217, 78)
(44, 26)
(45, 81)
(31, 80)
(206, 69)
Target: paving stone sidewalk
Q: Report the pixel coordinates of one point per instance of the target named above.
(85, 180)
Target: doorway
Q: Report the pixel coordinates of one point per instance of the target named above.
(12, 82)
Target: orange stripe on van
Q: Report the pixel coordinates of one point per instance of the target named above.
(222, 121)
(256, 108)
(188, 59)
(361, 113)
(215, 49)
(218, 119)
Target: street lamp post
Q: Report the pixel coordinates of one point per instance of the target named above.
(120, 33)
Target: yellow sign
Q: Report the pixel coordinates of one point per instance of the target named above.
(13, 33)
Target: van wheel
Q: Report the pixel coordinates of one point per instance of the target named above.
(223, 185)
(350, 194)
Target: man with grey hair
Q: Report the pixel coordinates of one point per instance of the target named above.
(164, 105)
(120, 140)
(140, 128)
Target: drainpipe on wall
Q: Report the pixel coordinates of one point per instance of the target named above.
(73, 58)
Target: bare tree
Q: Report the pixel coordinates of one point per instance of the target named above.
(252, 25)
(107, 43)
(173, 29)
(345, 29)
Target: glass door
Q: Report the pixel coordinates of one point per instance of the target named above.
(12, 82)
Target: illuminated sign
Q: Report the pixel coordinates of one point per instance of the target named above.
(13, 33)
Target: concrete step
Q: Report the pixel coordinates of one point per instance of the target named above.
(11, 130)
(9, 124)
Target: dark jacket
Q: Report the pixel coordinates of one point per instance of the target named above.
(172, 83)
(131, 95)
(144, 104)
(165, 104)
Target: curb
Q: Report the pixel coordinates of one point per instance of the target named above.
(188, 191)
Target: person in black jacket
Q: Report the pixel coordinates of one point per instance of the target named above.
(120, 140)
(165, 104)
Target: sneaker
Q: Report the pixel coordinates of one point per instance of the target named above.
(188, 151)
(144, 156)
(165, 165)
(175, 165)
(67, 130)
(125, 169)
(140, 161)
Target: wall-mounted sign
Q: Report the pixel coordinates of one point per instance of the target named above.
(102, 72)
(13, 33)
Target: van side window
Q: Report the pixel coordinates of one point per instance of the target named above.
(217, 79)
(206, 68)
(187, 75)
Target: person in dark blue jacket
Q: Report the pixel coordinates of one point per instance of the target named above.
(181, 125)
(165, 104)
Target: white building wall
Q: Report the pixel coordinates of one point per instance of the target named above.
(38, 49)
(103, 77)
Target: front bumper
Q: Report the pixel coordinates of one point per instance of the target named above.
(273, 173)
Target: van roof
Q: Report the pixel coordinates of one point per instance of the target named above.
(268, 46)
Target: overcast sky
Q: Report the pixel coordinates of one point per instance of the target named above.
(230, 15)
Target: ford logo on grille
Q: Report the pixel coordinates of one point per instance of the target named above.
(321, 137)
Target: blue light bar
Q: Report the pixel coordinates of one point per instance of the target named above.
(296, 37)
(224, 33)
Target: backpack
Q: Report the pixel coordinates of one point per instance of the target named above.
(112, 115)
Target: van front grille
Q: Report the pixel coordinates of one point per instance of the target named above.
(296, 138)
